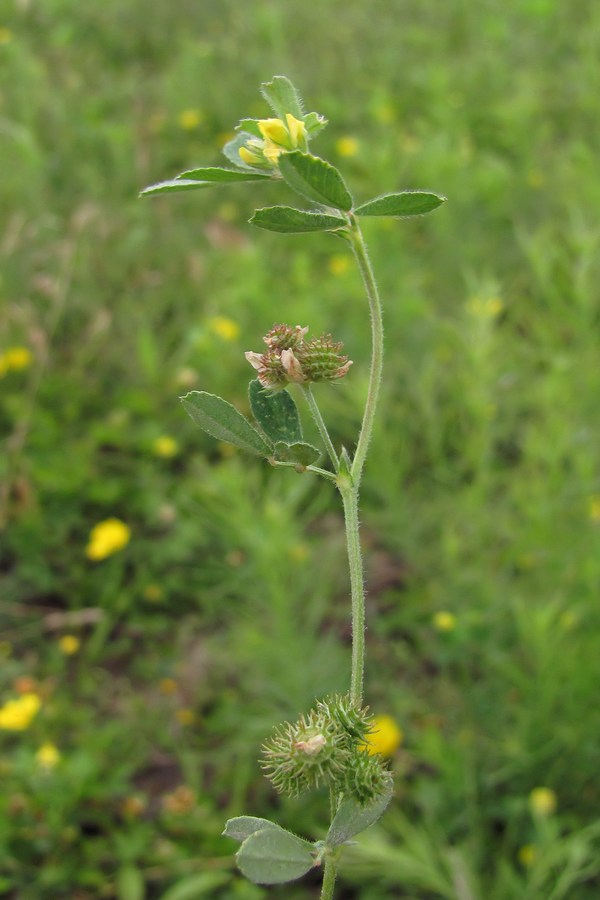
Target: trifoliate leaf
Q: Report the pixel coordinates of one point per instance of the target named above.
(282, 97)
(219, 175)
(223, 421)
(172, 186)
(242, 827)
(277, 414)
(351, 818)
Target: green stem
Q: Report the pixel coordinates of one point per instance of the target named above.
(316, 414)
(350, 500)
(349, 485)
(328, 879)
(361, 255)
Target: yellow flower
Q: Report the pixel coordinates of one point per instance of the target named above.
(165, 447)
(542, 802)
(17, 715)
(339, 264)
(181, 801)
(347, 146)
(6, 35)
(153, 593)
(594, 509)
(15, 359)
(526, 855)
(106, 538)
(444, 621)
(278, 136)
(167, 686)
(385, 738)
(185, 716)
(48, 756)
(485, 308)
(133, 806)
(225, 328)
(189, 119)
(69, 644)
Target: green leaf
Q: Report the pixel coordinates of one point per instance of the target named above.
(352, 818)
(170, 187)
(315, 179)
(314, 123)
(195, 886)
(273, 856)
(300, 453)
(250, 126)
(287, 220)
(223, 421)
(130, 883)
(282, 97)
(243, 826)
(232, 151)
(406, 203)
(277, 414)
(218, 175)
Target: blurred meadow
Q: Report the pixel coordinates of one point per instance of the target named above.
(144, 662)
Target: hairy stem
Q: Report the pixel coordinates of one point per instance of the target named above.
(316, 414)
(357, 588)
(361, 255)
(350, 484)
(328, 879)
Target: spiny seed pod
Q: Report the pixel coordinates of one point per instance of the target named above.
(289, 358)
(366, 778)
(303, 755)
(352, 720)
(321, 359)
(284, 337)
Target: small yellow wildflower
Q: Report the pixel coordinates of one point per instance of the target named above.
(17, 715)
(190, 119)
(133, 806)
(48, 756)
(153, 593)
(6, 35)
(385, 738)
(299, 553)
(339, 264)
(69, 644)
(594, 509)
(535, 179)
(181, 801)
(444, 620)
(278, 136)
(15, 359)
(485, 307)
(185, 716)
(167, 686)
(225, 328)
(347, 146)
(384, 113)
(106, 538)
(165, 447)
(542, 802)
(526, 855)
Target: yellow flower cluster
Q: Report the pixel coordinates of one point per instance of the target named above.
(278, 136)
(48, 756)
(444, 620)
(542, 802)
(225, 328)
(69, 644)
(165, 447)
(484, 307)
(190, 119)
(385, 738)
(15, 359)
(17, 715)
(106, 538)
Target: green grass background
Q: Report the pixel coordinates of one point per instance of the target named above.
(479, 491)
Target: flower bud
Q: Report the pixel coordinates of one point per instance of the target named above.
(291, 359)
